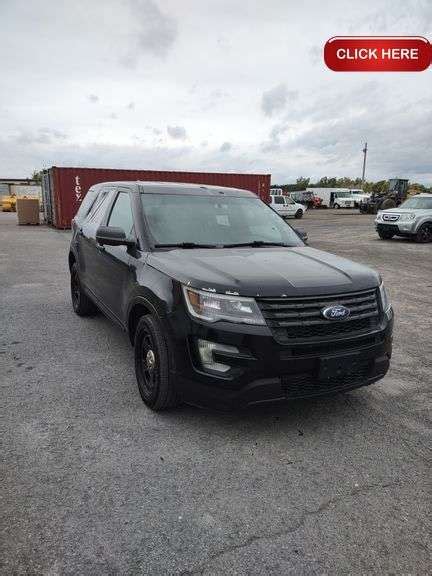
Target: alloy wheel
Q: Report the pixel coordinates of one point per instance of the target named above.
(149, 365)
(425, 234)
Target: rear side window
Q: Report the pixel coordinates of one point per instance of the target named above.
(121, 214)
(103, 194)
(86, 204)
(279, 200)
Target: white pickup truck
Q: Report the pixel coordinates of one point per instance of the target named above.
(359, 196)
(286, 207)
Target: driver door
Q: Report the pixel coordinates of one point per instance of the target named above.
(114, 270)
(290, 206)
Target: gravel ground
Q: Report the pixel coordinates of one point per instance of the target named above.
(92, 482)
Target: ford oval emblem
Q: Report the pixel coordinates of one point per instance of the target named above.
(337, 312)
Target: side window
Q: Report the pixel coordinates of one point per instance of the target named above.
(97, 204)
(86, 204)
(121, 214)
(279, 200)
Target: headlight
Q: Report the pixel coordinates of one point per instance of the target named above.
(213, 307)
(385, 302)
(405, 217)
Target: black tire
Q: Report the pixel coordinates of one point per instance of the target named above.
(336, 206)
(153, 365)
(81, 303)
(424, 233)
(299, 214)
(385, 234)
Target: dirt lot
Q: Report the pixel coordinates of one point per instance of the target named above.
(94, 483)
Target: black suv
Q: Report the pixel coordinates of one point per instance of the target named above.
(222, 300)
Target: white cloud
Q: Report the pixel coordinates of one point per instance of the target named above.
(187, 80)
(226, 147)
(177, 132)
(152, 31)
(275, 99)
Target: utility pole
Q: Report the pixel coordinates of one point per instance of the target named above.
(364, 164)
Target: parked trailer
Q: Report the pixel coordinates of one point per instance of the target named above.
(63, 189)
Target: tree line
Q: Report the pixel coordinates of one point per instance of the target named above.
(345, 182)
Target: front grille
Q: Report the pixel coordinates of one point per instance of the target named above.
(391, 217)
(333, 346)
(307, 384)
(292, 319)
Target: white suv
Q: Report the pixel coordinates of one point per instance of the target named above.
(286, 207)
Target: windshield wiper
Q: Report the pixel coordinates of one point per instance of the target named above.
(185, 245)
(257, 244)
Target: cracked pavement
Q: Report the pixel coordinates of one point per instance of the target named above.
(94, 483)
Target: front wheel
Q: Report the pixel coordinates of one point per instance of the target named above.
(336, 206)
(299, 214)
(385, 234)
(424, 233)
(153, 365)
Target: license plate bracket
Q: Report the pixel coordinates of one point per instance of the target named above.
(337, 366)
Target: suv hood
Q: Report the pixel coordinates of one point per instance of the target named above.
(299, 271)
(416, 211)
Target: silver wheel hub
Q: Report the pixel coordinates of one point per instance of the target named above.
(150, 360)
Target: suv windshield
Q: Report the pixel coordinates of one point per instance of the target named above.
(214, 221)
(418, 203)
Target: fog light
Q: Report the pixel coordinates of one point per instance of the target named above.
(206, 349)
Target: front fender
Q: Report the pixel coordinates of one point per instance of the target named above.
(420, 221)
(155, 292)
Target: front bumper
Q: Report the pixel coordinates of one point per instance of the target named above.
(399, 229)
(265, 371)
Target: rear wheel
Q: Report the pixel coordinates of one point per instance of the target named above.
(153, 365)
(385, 234)
(424, 233)
(336, 206)
(81, 303)
(299, 214)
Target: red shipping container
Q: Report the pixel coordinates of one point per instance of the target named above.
(63, 189)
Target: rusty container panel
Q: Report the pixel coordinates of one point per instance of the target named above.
(65, 188)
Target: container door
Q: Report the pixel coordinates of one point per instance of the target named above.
(47, 196)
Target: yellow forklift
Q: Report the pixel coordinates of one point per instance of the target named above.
(8, 203)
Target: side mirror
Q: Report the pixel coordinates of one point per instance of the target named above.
(113, 236)
(301, 233)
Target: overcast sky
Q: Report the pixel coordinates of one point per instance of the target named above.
(208, 85)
